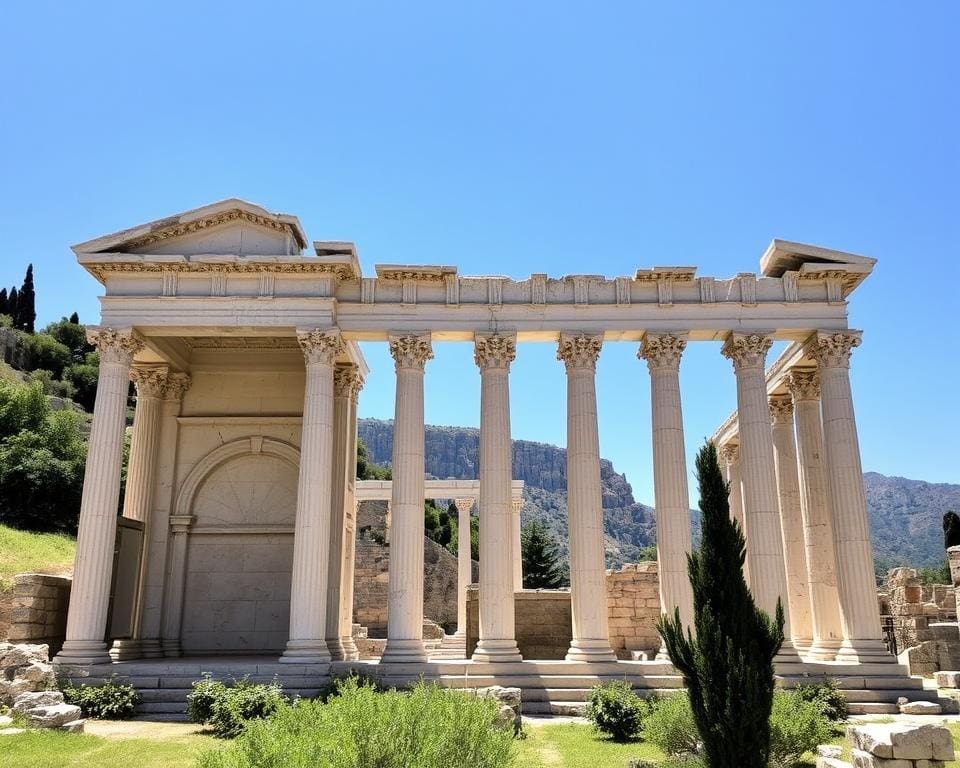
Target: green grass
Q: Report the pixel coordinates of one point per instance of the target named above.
(574, 745)
(25, 552)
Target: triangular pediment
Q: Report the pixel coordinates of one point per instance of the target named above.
(229, 227)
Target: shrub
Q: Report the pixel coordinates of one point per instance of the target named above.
(671, 727)
(110, 701)
(201, 699)
(232, 708)
(46, 352)
(796, 726)
(829, 695)
(614, 709)
(428, 727)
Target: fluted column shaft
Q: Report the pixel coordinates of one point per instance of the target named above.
(730, 454)
(791, 521)
(588, 594)
(804, 386)
(311, 541)
(761, 503)
(350, 651)
(672, 499)
(517, 545)
(96, 536)
(497, 637)
(176, 580)
(859, 610)
(464, 563)
(405, 588)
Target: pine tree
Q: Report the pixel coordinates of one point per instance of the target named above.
(728, 667)
(541, 561)
(13, 306)
(26, 311)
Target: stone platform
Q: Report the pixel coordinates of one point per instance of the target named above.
(548, 687)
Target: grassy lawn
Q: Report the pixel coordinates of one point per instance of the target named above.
(573, 745)
(24, 552)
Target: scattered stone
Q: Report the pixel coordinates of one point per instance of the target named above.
(920, 708)
(829, 750)
(509, 699)
(12, 731)
(23, 668)
(899, 741)
(948, 679)
(26, 701)
(53, 716)
(5, 720)
(76, 726)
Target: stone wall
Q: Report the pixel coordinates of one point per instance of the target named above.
(39, 615)
(543, 626)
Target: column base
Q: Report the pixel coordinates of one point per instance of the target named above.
(171, 649)
(305, 652)
(787, 654)
(824, 650)
(151, 649)
(350, 651)
(865, 651)
(125, 650)
(336, 649)
(497, 650)
(404, 651)
(83, 652)
(590, 650)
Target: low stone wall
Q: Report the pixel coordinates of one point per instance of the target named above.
(633, 607)
(39, 614)
(542, 616)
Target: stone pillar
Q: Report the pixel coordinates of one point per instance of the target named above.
(405, 591)
(761, 504)
(804, 386)
(96, 537)
(349, 544)
(791, 521)
(730, 455)
(859, 611)
(176, 579)
(497, 640)
(517, 503)
(158, 521)
(464, 563)
(343, 377)
(311, 538)
(588, 597)
(662, 353)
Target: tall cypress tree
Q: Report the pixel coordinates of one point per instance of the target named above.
(27, 313)
(13, 306)
(4, 309)
(541, 561)
(75, 318)
(728, 666)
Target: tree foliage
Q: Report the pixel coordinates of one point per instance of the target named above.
(951, 529)
(541, 559)
(20, 304)
(366, 469)
(728, 666)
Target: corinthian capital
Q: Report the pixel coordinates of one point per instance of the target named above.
(411, 351)
(747, 350)
(150, 381)
(803, 383)
(729, 453)
(662, 350)
(320, 345)
(177, 384)
(345, 380)
(494, 350)
(578, 350)
(832, 349)
(781, 409)
(115, 346)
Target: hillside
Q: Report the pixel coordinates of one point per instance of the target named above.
(905, 515)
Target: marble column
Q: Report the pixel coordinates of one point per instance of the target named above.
(672, 499)
(730, 455)
(464, 563)
(343, 376)
(176, 580)
(791, 521)
(517, 504)
(405, 589)
(859, 611)
(761, 503)
(493, 354)
(311, 538)
(588, 592)
(349, 545)
(804, 386)
(96, 536)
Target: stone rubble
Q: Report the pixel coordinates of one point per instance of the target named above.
(26, 680)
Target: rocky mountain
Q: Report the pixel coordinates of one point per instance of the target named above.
(905, 515)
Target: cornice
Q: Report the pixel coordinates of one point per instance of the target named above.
(100, 269)
(189, 227)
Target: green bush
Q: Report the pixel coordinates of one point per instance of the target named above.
(796, 726)
(228, 709)
(671, 727)
(201, 699)
(614, 709)
(428, 727)
(828, 693)
(110, 701)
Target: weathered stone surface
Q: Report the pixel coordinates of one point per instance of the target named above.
(26, 701)
(920, 708)
(509, 699)
(53, 716)
(904, 741)
(948, 679)
(23, 668)
(75, 726)
(12, 731)
(5, 720)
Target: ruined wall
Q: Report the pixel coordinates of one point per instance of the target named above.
(923, 620)
(633, 607)
(39, 614)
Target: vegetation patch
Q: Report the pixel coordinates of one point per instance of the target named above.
(26, 552)
(111, 701)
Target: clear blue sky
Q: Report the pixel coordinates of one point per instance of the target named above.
(523, 137)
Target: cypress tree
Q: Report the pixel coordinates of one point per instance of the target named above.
(951, 529)
(13, 306)
(541, 561)
(3, 302)
(75, 319)
(728, 666)
(27, 313)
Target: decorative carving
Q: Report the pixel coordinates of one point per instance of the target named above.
(748, 288)
(708, 290)
(408, 291)
(320, 345)
(464, 505)
(177, 385)
(665, 292)
(517, 504)
(188, 228)
(803, 383)
(623, 291)
(241, 265)
(452, 285)
(494, 350)
(781, 409)
(169, 283)
(411, 351)
(538, 288)
(581, 290)
(425, 274)
(268, 283)
(729, 454)
(579, 350)
(662, 350)
(791, 286)
(115, 346)
(240, 342)
(150, 381)
(832, 349)
(218, 283)
(344, 377)
(747, 350)
(495, 291)
(368, 290)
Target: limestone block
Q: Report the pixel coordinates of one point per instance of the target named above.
(904, 741)
(866, 760)
(948, 679)
(5, 721)
(12, 731)
(76, 726)
(931, 609)
(30, 700)
(920, 708)
(53, 716)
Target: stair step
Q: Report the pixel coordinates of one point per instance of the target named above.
(873, 708)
